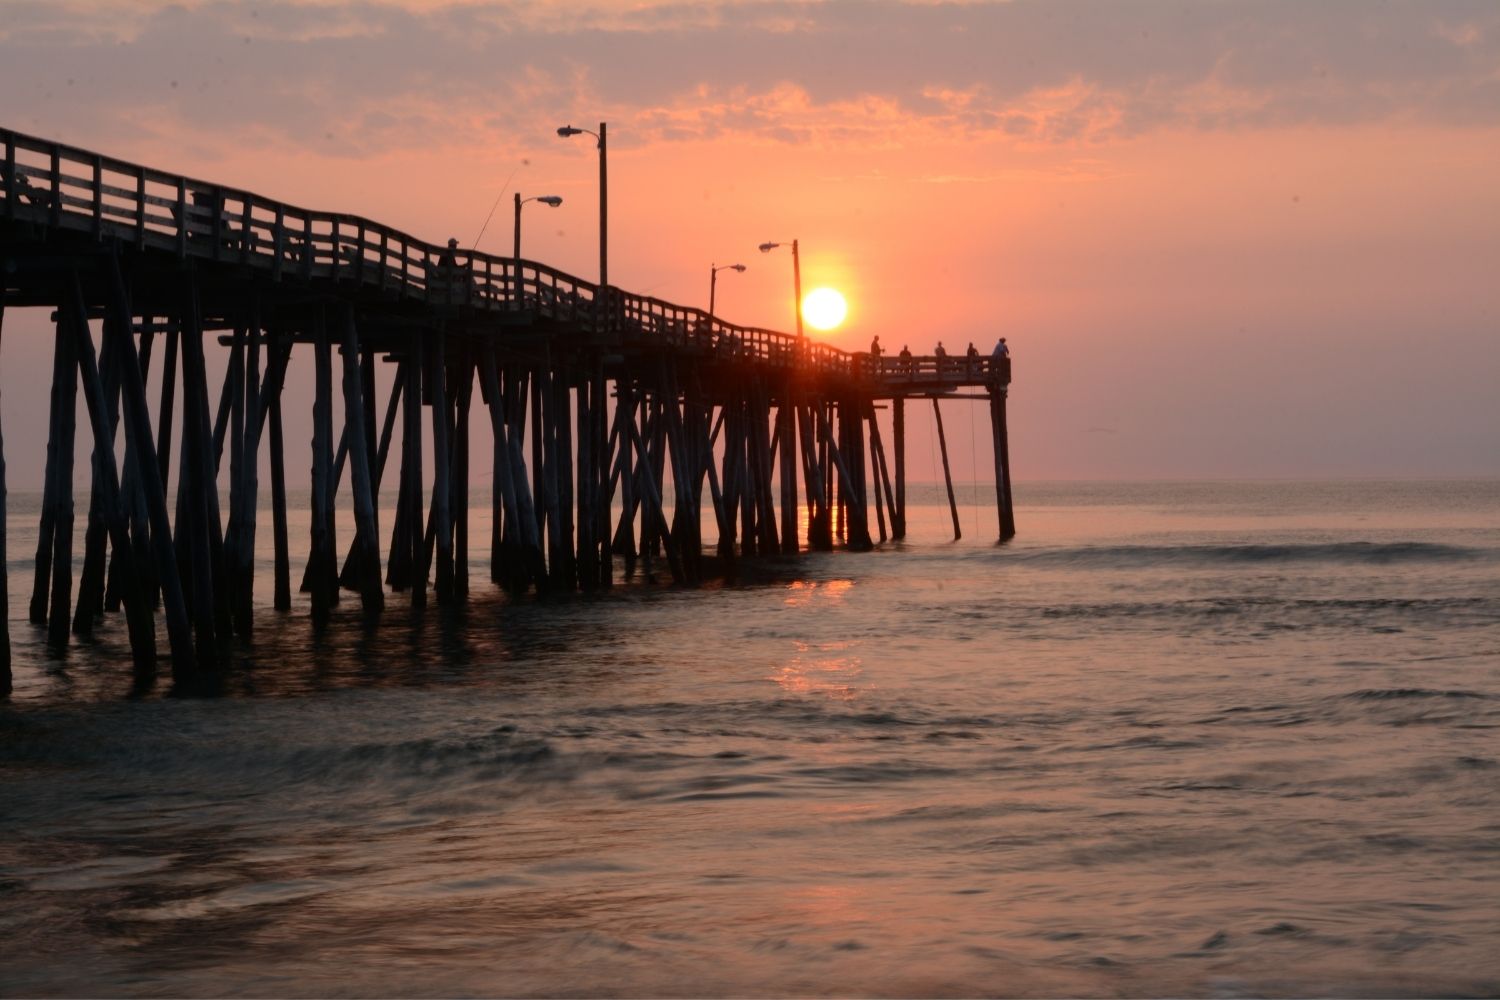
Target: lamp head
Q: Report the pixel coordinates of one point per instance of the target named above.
(738, 267)
(768, 247)
(568, 130)
(550, 199)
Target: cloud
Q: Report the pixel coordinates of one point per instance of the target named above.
(382, 75)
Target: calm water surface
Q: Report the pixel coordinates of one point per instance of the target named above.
(1187, 739)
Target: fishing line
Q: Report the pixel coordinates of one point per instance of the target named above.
(496, 205)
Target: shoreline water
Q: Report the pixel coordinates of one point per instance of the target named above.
(1173, 740)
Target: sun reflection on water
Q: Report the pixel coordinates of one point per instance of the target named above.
(803, 592)
(829, 669)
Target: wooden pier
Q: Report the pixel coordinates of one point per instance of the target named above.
(609, 412)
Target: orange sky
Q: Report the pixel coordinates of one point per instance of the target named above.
(1239, 239)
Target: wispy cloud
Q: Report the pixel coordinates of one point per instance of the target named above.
(377, 75)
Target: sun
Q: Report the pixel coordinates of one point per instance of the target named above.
(824, 308)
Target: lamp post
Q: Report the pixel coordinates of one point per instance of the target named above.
(545, 199)
(796, 280)
(713, 280)
(567, 131)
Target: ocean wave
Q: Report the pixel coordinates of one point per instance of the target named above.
(1344, 553)
(1405, 694)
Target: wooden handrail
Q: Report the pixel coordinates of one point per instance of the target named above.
(115, 198)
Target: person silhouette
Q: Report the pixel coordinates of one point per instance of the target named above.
(875, 351)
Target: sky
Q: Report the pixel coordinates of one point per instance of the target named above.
(1223, 239)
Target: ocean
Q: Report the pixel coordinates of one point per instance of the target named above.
(1186, 739)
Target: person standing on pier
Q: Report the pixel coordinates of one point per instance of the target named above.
(941, 353)
(905, 357)
(971, 359)
(875, 350)
(1001, 351)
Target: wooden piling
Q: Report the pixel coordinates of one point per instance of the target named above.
(198, 531)
(602, 458)
(562, 425)
(1001, 440)
(898, 431)
(463, 371)
(140, 450)
(6, 682)
(366, 531)
(820, 525)
(234, 390)
(518, 567)
(142, 628)
(248, 484)
(442, 511)
(320, 560)
(652, 503)
(411, 468)
(348, 576)
(623, 540)
(55, 546)
(135, 498)
(90, 604)
(47, 523)
(874, 456)
(549, 506)
(283, 565)
(787, 434)
(588, 549)
(882, 469)
(947, 475)
(165, 415)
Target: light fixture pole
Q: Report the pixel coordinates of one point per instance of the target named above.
(545, 199)
(567, 131)
(796, 280)
(713, 280)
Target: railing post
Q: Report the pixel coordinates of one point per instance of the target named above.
(140, 208)
(98, 192)
(245, 232)
(307, 248)
(216, 227)
(278, 242)
(182, 217)
(10, 176)
(56, 214)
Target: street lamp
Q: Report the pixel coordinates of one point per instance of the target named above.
(567, 132)
(796, 280)
(713, 280)
(545, 199)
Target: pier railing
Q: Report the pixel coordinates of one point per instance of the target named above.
(64, 187)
